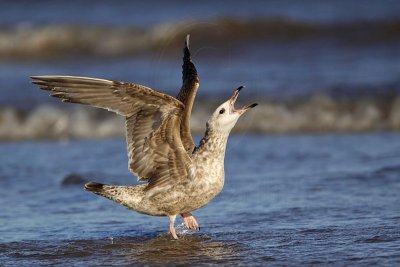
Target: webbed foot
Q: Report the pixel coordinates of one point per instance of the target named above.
(190, 221)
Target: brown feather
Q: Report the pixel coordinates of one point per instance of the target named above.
(153, 121)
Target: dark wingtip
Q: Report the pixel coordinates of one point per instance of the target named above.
(240, 88)
(253, 105)
(94, 187)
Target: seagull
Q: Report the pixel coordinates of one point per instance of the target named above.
(178, 176)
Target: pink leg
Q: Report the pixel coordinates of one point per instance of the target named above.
(190, 221)
(172, 227)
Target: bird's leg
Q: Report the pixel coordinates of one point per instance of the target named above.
(171, 226)
(190, 221)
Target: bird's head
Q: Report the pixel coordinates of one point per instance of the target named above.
(226, 115)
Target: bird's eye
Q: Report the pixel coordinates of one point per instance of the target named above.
(222, 111)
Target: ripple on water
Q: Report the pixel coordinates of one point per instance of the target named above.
(378, 239)
(261, 218)
(190, 249)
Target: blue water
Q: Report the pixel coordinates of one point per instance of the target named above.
(153, 12)
(285, 71)
(359, 60)
(287, 200)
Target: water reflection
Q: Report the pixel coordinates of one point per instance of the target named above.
(162, 249)
(189, 249)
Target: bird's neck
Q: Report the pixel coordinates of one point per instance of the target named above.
(213, 142)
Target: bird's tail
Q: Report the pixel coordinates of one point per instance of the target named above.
(113, 192)
(129, 196)
(94, 187)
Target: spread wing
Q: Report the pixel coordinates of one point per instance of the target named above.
(153, 120)
(187, 94)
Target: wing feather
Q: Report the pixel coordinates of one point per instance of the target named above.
(187, 94)
(153, 121)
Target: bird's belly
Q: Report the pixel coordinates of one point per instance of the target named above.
(205, 192)
(186, 197)
(199, 193)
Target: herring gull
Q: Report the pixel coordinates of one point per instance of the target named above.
(179, 177)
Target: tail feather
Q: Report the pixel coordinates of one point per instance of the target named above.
(94, 187)
(129, 196)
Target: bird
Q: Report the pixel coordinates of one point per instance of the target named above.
(178, 176)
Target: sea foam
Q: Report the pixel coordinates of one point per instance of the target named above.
(317, 114)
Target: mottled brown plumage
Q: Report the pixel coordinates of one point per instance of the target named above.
(161, 151)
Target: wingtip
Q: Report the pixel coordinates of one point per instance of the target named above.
(240, 88)
(39, 77)
(187, 41)
(253, 105)
(34, 78)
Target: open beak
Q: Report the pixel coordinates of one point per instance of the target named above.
(232, 101)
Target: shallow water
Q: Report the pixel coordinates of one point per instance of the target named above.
(273, 47)
(335, 71)
(143, 13)
(287, 200)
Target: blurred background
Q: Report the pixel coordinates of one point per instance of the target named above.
(312, 173)
(315, 66)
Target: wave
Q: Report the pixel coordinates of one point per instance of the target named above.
(27, 41)
(318, 114)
